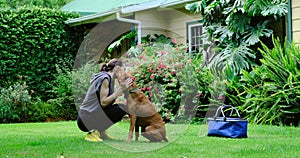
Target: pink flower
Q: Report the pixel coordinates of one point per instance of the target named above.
(220, 97)
(200, 94)
(134, 63)
(173, 72)
(163, 52)
(173, 40)
(141, 57)
(162, 66)
(152, 76)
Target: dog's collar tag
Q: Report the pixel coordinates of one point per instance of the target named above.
(133, 90)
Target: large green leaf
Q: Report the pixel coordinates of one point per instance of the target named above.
(196, 7)
(236, 57)
(255, 7)
(253, 35)
(237, 6)
(275, 10)
(238, 22)
(222, 33)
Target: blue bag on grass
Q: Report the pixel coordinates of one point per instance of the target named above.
(229, 126)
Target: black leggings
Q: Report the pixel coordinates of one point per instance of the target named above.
(102, 119)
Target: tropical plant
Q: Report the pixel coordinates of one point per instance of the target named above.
(271, 90)
(238, 27)
(117, 43)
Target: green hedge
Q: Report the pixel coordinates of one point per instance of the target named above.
(42, 3)
(32, 42)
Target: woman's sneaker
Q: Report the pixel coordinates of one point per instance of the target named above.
(104, 135)
(93, 136)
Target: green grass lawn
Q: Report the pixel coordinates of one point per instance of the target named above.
(186, 141)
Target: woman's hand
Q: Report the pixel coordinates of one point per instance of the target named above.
(126, 84)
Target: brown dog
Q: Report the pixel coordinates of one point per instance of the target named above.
(142, 112)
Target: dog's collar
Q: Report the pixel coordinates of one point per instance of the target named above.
(133, 90)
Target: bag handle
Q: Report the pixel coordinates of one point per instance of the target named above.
(220, 110)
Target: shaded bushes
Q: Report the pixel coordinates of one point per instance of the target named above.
(17, 105)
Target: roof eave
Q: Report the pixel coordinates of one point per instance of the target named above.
(141, 6)
(92, 16)
(175, 3)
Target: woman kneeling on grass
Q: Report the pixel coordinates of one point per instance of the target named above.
(98, 111)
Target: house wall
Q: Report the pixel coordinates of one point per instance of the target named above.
(153, 22)
(296, 20)
(177, 23)
(170, 22)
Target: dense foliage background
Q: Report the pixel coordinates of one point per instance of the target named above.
(249, 69)
(34, 43)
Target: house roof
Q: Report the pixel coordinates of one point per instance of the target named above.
(87, 7)
(97, 9)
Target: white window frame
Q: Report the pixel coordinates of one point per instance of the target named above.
(189, 32)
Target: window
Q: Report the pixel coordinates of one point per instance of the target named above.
(194, 33)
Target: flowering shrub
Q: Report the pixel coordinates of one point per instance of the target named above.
(167, 74)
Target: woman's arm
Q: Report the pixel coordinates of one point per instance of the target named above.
(104, 91)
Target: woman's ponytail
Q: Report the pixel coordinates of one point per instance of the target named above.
(110, 65)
